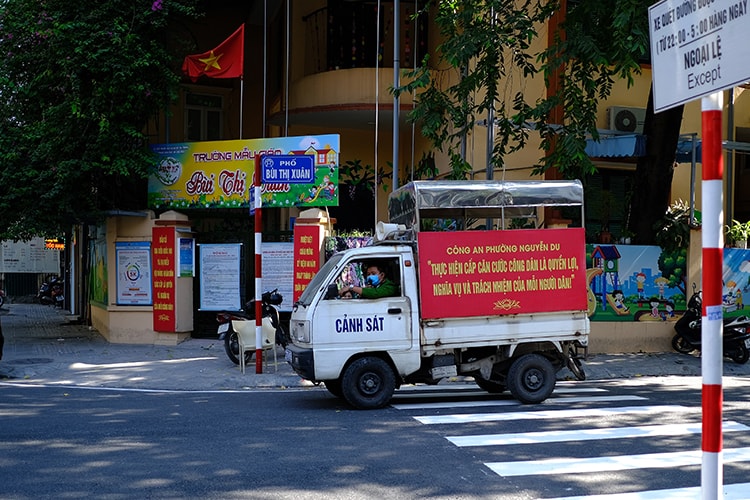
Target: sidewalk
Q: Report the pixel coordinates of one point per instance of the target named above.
(41, 347)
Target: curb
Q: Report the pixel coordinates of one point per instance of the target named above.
(42, 348)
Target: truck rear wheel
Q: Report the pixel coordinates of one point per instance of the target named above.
(531, 378)
(368, 383)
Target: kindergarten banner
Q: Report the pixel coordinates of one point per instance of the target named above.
(219, 174)
(478, 273)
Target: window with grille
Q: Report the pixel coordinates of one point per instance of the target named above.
(203, 117)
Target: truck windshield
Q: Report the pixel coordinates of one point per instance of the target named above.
(319, 280)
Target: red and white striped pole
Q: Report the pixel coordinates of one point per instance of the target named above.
(258, 273)
(713, 258)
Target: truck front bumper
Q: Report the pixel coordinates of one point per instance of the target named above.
(301, 359)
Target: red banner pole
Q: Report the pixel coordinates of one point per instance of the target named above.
(712, 320)
(258, 273)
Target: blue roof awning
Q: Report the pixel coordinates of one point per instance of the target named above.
(630, 145)
(685, 151)
(617, 146)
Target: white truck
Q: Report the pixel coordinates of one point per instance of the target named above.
(507, 307)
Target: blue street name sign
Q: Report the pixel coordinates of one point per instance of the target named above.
(288, 169)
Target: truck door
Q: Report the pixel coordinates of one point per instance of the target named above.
(375, 323)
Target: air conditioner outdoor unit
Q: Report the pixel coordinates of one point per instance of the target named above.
(626, 119)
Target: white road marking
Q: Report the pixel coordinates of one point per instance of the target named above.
(731, 492)
(410, 390)
(466, 418)
(248, 390)
(568, 465)
(591, 434)
(511, 402)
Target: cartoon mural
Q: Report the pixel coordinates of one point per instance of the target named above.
(735, 281)
(635, 283)
(641, 283)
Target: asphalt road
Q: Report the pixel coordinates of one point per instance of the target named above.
(302, 443)
(275, 444)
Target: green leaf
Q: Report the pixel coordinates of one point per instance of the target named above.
(79, 82)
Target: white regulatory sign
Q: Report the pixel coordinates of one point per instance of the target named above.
(698, 47)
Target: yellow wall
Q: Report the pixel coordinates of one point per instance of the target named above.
(618, 337)
(637, 96)
(344, 87)
(133, 324)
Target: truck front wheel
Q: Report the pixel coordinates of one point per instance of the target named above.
(489, 385)
(334, 387)
(368, 383)
(531, 378)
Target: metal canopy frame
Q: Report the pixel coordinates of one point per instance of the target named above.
(462, 199)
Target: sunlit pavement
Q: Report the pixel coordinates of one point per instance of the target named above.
(43, 347)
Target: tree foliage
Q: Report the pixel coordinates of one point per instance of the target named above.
(484, 42)
(488, 43)
(672, 234)
(487, 49)
(603, 41)
(78, 83)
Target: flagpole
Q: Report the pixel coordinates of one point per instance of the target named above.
(265, 61)
(242, 100)
(396, 84)
(242, 81)
(286, 70)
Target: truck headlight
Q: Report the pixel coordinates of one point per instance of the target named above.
(300, 331)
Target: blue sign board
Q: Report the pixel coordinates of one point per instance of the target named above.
(288, 169)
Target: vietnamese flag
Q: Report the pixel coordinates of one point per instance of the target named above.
(225, 61)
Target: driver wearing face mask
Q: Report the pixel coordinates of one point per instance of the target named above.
(377, 285)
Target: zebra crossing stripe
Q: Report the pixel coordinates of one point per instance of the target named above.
(511, 402)
(468, 418)
(560, 386)
(569, 465)
(592, 434)
(731, 492)
(429, 391)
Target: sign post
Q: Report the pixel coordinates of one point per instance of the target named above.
(273, 169)
(712, 320)
(698, 49)
(258, 271)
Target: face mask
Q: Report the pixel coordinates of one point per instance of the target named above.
(373, 279)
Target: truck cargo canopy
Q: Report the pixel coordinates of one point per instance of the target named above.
(458, 199)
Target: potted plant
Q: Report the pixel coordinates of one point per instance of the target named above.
(626, 237)
(737, 233)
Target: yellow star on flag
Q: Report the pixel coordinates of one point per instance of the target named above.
(212, 61)
(224, 61)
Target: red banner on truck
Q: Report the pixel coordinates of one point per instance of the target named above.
(480, 273)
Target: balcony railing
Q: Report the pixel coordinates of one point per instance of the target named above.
(347, 34)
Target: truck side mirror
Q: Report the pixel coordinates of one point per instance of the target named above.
(332, 292)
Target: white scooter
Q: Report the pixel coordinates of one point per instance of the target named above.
(271, 324)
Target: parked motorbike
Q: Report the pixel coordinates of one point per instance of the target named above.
(271, 324)
(735, 336)
(51, 292)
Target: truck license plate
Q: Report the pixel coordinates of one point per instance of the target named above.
(439, 372)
